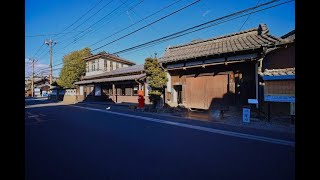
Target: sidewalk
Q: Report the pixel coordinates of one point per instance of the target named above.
(231, 121)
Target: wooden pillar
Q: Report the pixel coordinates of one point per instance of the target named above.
(113, 92)
(139, 86)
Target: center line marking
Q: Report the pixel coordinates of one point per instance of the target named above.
(211, 130)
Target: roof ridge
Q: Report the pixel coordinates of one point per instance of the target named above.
(112, 55)
(280, 69)
(288, 34)
(277, 38)
(215, 38)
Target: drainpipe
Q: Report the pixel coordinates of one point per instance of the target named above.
(138, 83)
(258, 69)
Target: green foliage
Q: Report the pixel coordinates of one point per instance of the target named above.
(73, 67)
(156, 77)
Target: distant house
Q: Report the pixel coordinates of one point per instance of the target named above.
(278, 73)
(104, 62)
(41, 86)
(111, 78)
(217, 72)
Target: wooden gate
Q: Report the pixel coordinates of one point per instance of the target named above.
(200, 91)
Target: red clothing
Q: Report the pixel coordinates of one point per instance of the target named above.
(140, 101)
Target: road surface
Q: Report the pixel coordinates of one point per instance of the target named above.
(69, 142)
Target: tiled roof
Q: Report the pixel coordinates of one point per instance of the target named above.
(290, 35)
(278, 74)
(112, 79)
(125, 70)
(244, 40)
(107, 55)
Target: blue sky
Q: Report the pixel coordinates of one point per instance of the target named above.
(47, 17)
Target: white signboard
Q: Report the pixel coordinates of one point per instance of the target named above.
(37, 92)
(81, 90)
(97, 90)
(252, 101)
(246, 115)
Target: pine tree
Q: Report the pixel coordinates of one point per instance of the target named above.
(156, 77)
(73, 67)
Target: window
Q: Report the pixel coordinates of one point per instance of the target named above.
(135, 90)
(111, 65)
(117, 65)
(105, 65)
(87, 67)
(93, 66)
(123, 92)
(118, 91)
(128, 91)
(97, 64)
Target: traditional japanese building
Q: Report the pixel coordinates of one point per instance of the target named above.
(217, 72)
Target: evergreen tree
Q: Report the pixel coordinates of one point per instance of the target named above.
(73, 67)
(156, 77)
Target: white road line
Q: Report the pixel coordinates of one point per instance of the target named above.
(39, 99)
(211, 130)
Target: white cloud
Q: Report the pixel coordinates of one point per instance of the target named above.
(37, 68)
(205, 13)
(40, 65)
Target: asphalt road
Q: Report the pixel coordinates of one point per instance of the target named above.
(66, 142)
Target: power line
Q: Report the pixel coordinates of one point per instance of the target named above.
(82, 16)
(52, 66)
(74, 41)
(66, 27)
(185, 32)
(39, 35)
(136, 22)
(112, 19)
(44, 71)
(200, 27)
(148, 24)
(37, 51)
(178, 34)
(247, 17)
(99, 19)
(155, 21)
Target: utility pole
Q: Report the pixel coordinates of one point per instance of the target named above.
(32, 79)
(49, 43)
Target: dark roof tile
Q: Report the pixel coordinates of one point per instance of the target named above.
(240, 41)
(125, 70)
(111, 79)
